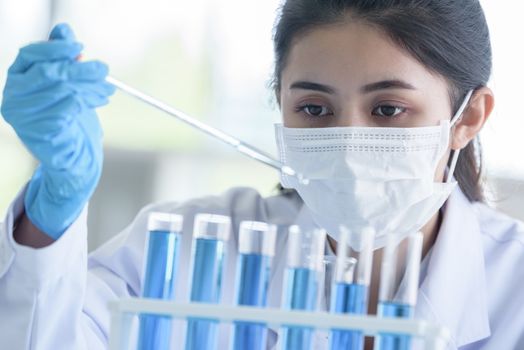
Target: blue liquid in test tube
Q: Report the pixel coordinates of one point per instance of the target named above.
(305, 265)
(256, 248)
(395, 341)
(211, 233)
(303, 290)
(159, 277)
(351, 285)
(350, 299)
(398, 289)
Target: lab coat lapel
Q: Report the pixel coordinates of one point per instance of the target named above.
(453, 292)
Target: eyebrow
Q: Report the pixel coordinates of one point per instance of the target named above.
(380, 85)
(386, 84)
(308, 85)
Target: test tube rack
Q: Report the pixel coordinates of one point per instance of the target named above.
(435, 337)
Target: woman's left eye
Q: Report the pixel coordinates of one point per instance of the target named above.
(388, 111)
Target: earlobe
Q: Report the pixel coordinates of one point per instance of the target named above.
(474, 117)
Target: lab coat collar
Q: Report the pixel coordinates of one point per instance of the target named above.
(453, 291)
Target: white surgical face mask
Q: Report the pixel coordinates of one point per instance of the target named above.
(369, 176)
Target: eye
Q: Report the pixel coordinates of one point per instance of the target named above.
(388, 111)
(314, 110)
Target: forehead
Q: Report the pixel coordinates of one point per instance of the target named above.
(351, 54)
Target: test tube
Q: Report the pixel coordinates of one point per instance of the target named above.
(256, 250)
(399, 278)
(304, 276)
(163, 243)
(210, 235)
(351, 284)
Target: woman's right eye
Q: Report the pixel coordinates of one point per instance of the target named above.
(314, 110)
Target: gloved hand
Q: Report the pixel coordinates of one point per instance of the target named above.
(49, 100)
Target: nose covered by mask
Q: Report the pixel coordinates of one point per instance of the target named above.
(376, 177)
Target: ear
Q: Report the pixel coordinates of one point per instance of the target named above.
(473, 118)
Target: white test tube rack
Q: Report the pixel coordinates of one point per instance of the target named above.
(435, 337)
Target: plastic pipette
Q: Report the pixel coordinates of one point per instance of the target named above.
(240, 146)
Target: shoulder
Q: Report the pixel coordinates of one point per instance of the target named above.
(503, 243)
(502, 239)
(236, 201)
(498, 229)
(240, 203)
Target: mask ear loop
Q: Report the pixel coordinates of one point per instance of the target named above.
(454, 120)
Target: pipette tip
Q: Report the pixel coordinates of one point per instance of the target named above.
(289, 171)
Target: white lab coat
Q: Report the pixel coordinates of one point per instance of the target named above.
(472, 280)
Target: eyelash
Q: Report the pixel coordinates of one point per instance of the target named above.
(396, 115)
(304, 109)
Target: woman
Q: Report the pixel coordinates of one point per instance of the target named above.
(347, 64)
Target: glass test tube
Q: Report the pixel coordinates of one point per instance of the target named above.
(399, 278)
(303, 276)
(256, 250)
(210, 235)
(351, 284)
(160, 268)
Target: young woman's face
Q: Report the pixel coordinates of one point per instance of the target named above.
(354, 75)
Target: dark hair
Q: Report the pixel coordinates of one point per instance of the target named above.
(449, 37)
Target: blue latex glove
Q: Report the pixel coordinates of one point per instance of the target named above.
(49, 100)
